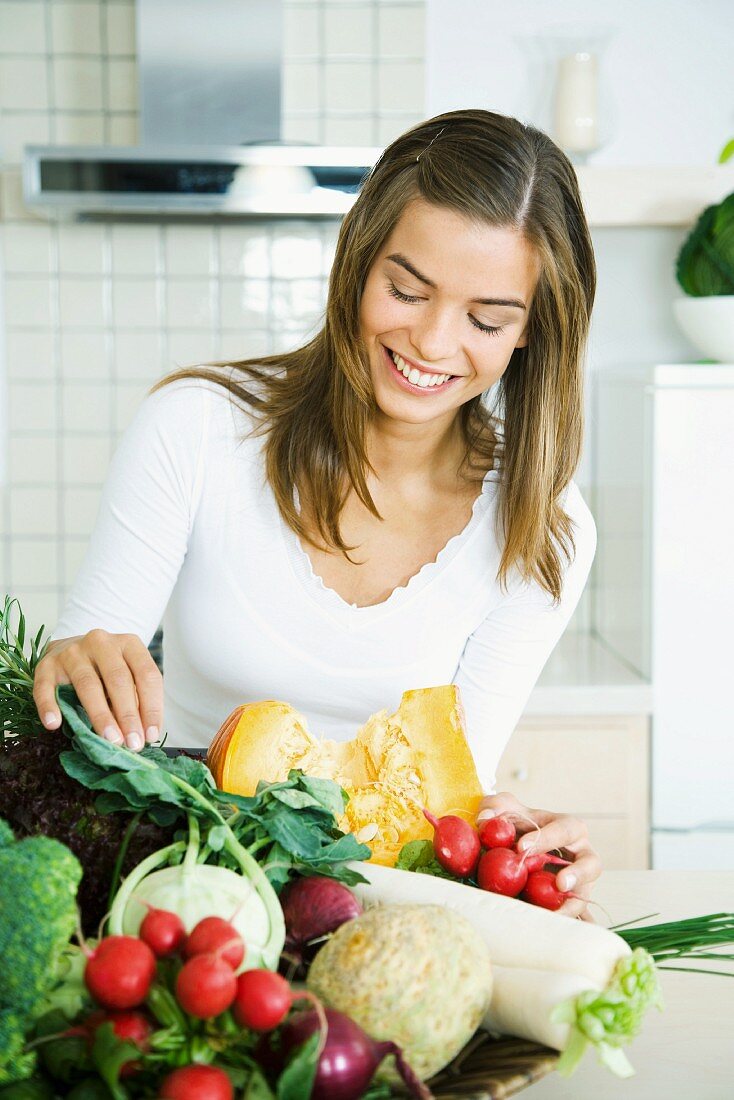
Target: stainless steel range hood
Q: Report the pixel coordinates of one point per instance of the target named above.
(210, 107)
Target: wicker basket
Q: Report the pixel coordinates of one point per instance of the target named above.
(491, 1069)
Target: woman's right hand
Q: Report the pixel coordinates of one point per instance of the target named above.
(116, 680)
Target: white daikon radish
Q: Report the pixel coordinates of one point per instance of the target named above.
(517, 934)
(523, 1002)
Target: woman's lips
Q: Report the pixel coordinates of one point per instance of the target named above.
(403, 382)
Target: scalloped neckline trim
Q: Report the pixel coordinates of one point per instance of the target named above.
(428, 572)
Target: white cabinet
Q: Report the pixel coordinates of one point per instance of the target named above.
(664, 507)
(595, 767)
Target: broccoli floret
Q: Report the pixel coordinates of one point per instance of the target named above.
(39, 878)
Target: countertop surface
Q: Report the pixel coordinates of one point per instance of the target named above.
(582, 676)
(685, 1052)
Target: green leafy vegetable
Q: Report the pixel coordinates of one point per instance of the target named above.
(38, 883)
(290, 825)
(705, 264)
(419, 856)
(296, 1080)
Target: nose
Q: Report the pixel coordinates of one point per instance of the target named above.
(434, 337)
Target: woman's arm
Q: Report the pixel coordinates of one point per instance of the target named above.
(500, 664)
(132, 561)
(504, 656)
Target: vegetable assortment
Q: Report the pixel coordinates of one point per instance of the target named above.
(212, 893)
(555, 980)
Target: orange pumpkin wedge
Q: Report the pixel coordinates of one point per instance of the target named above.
(397, 763)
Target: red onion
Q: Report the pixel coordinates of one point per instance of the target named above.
(349, 1059)
(312, 908)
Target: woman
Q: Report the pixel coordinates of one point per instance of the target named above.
(239, 495)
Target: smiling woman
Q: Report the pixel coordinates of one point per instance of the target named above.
(432, 426)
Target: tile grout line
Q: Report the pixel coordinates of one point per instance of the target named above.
(55, 318)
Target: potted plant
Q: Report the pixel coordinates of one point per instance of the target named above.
(705, 271)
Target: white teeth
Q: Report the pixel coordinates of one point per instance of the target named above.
(418, 378)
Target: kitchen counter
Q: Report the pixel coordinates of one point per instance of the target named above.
(685, 1052)
(582, 676)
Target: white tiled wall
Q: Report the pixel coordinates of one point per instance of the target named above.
(91, 315)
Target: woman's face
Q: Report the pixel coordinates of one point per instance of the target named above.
(445, 296)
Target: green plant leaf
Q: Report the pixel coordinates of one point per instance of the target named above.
(296, 1080)
(109, 1055)
(727, 152)
(419, 856)
(296, 799)
(705, 262)
(332, 797)
(257, 1087)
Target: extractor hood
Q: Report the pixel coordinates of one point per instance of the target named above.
(210, 109)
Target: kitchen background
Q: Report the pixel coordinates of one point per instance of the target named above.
(91, 314)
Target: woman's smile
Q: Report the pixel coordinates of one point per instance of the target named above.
(409, 377)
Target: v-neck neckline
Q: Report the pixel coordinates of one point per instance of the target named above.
(329, 599)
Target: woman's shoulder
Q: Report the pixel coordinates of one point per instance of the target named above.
(185, 404)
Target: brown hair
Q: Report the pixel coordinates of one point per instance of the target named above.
(315, 403)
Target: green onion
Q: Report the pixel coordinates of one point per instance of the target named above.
(685, 939)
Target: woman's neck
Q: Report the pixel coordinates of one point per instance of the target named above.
(415, 456)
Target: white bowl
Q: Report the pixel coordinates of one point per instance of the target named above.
(709, 324)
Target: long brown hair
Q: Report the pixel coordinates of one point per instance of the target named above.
(314, 404)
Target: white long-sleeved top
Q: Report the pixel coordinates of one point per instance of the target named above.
(189, 533)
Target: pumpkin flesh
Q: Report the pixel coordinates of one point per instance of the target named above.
(397, 764)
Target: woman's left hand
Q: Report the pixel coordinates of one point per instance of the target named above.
(556, 831)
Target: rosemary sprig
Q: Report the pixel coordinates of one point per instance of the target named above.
(18, 714)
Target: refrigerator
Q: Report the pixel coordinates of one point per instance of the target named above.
(663, 596)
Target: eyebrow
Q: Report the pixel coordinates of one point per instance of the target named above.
(398, 258)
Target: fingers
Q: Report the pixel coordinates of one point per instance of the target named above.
(542, 831)
(148, 685)
(492, 805)
(584, 870)
(116, 680)
(578, 906)
(44, 693)
(119, 685)
(557, 831)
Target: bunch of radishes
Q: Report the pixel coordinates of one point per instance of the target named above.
(489, 856)
(120, 972)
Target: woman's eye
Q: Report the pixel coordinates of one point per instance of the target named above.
(392, 289)
(490, 330)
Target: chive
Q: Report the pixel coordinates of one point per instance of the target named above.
(685, 939)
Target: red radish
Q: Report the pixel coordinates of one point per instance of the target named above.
(216, 934)
(456, 844)
(206, 986)
(119, 972)
(536, 861)
(262, 1000)
(497, 832)
(163, 932)
(312, 908)
(132, 1026)
(502, 871)
(541, 890)
(349, 1058)
(197, 1082)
